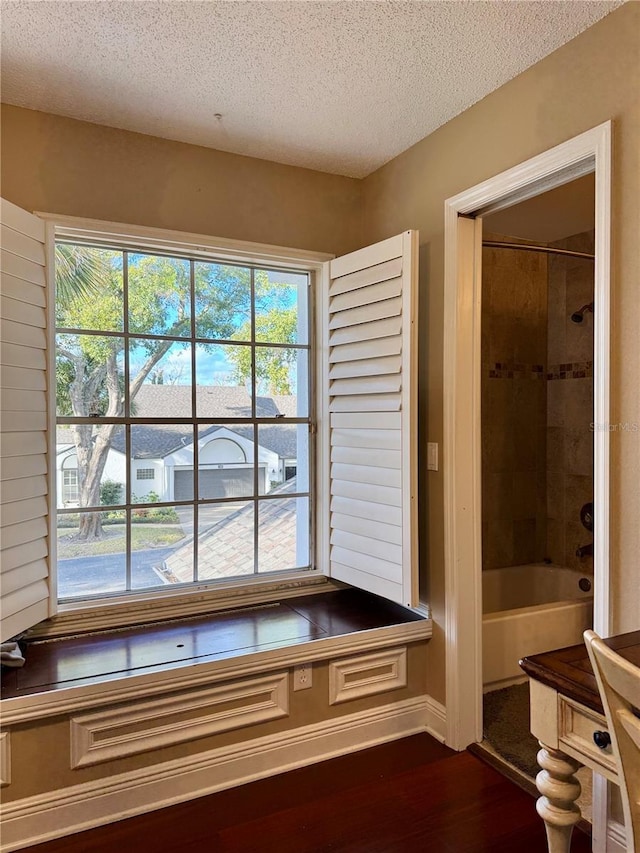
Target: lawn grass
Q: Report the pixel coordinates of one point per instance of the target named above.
(142, 537)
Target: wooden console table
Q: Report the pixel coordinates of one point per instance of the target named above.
(568, 720)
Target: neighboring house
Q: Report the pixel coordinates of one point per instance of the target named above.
(163, 454)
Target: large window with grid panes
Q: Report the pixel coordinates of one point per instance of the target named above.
(183, 420)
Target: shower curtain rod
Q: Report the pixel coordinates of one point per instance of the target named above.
(496, 244)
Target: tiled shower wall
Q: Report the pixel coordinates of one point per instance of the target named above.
(569, 403)
(537, 403)
(514, 361)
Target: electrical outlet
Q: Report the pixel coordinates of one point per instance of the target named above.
(302, 676)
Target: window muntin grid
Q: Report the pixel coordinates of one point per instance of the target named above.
(135, 337)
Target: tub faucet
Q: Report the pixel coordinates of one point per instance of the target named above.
(585, 550)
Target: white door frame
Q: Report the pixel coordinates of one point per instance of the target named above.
(587, 153)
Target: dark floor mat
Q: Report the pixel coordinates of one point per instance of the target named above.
(506, 727)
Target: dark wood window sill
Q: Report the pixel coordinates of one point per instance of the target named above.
(95, 658)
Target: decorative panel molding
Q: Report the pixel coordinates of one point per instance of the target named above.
(142, 726)
(5, 759)
(367, 675)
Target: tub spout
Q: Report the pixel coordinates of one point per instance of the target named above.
(585, 550)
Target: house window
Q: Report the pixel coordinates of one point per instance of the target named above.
(70, 486)
(170, 357)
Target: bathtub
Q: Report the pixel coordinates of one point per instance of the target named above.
(527, 610)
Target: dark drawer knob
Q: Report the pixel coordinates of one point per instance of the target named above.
(602, 739)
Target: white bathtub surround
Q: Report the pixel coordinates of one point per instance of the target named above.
(527, 610)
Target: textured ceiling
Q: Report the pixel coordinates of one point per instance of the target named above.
(338, 86)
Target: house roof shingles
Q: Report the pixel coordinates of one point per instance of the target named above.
(155, 441)
(226, 548)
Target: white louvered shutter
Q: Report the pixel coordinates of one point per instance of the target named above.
(24, 589)
(373, 418)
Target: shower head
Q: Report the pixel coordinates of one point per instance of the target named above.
(578, 316)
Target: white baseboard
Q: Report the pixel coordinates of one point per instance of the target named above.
(436, 719)
(39, 818)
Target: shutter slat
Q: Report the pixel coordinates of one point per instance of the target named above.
(366, 580)
(370, 256)
(366, 367)
(25, 531)
(22, 312)
(17, 511)
(22, 444)
(22, 467)
(22, 377)
(24, 576)
(366, 545)
(22, 245)
(15, 622)
(365, 562)
(366, 510)
(367, 295)
(391, 533)
(17, 288)
(14, 558)
(365, 277)
(21, 356)
(363, 350)
(22, 268)
(368, 403)
(21, 220)
(23, 421)
(24, 335)
(367, 492)
(381, 439)
(366, 385)
(19, 490)
(354, 420)
(365, 456)
(367, 332)
(367, 474)
(15, 400)
(24, 597)
(366, 314)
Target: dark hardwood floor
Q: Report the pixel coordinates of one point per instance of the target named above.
(410, 795)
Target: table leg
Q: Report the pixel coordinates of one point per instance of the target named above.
(559, 789)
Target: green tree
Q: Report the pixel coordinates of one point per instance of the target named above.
(90, 379)
(273, 364)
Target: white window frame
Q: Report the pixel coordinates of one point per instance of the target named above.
(119, 610)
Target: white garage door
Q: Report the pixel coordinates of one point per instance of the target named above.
(214, 483)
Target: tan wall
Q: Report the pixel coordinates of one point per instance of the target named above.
(59, 165)
(594, 78)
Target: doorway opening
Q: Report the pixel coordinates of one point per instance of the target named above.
(537, 422)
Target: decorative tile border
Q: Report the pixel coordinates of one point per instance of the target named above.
(570, 370)
(515, 370)
(504, 370)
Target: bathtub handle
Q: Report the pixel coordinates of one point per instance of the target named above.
(602, 739)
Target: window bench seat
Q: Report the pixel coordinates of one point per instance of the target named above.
(116, 665)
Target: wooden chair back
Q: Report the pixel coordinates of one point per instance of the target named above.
(619, 685)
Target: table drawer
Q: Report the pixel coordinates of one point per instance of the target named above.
(576, 727)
